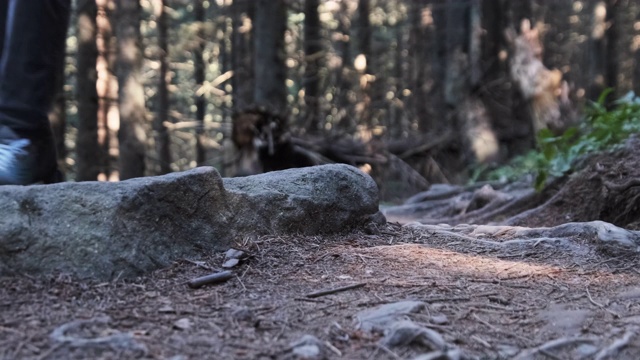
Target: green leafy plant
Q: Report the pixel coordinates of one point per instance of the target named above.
(602, 129)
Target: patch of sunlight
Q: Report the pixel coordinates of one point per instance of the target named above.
(419, 258)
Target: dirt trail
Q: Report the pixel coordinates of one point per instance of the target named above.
(490, 302)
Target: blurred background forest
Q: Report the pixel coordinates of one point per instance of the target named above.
(412, 91)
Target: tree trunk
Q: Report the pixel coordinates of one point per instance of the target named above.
(343, 118)
(313, 62)
(612, 39)
(199, 75)
(87, 146)
(162, 140)
(107, 90)
(457, 55)
(438, 62)
(132, 135)
(363, 64)
(243, 80)
(420, 34)
(506, 108)
(597, 50)
(636, 57)
(270, 88)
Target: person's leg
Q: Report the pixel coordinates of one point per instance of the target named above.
(4, 7)
(33, 51)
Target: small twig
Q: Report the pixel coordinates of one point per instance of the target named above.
(245, 271)
(446, 299)
(362, 259)
(336, 290)
(210, 279)
(309, 300)
(388, 351)
(14, 331)
(200, 264)
(593, 301)
(333, 349)
(498, 330)
(616, 315)
(551, 345)
(241, 283)
(481, 341)
(485, 323)
(50, 351)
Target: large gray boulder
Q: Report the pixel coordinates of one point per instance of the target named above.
(103, 230)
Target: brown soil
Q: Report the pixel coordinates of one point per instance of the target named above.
(498, 302)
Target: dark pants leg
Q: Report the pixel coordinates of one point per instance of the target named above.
(33, 49)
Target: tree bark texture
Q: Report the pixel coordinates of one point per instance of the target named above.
(87, 146)
(199, 77)
(597, 50)
(314, 56)
(364, 64)
(132, 135)
(107, 89)
(242, 59)
(270, 87)
(612, 39)
(162, 139)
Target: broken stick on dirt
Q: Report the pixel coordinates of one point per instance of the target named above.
(333, 291)
(210, 279)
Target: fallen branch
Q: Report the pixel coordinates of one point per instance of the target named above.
(333, 291)
(210, 279)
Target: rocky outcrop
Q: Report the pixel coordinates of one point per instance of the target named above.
(104, 230)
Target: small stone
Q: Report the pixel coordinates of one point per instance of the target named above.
(402, 333)
(507, 351)
(178, 357)
(166, 309)
(230, 263)
(439, 319)
(182, 324)
(235, 254)
(405, 332)
(308, 347)
(307, 352)
(500, 300)
(379, 318)
(242, 314)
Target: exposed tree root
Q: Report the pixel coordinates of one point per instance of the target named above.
(605, 188)
(472, 205)
(604, 234)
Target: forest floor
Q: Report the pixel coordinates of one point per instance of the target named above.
(490, 302)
